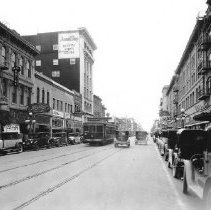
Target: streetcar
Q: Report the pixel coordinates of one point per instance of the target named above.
(99, 132)
(141, 137)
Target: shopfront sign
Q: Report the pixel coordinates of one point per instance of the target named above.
(57, 123)
(12, 128)
(58, 113)
(39, 108)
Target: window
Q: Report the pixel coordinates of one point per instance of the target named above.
(48, 98)
(38, 95)
(55, 62)
(28, 69)
(72, 61)
(38, 47)
(65, 107)
(55, 47)
(4, 87)
(54, 103)
(71, 108)
(55, 73)
(29, 96)
(57, 105)
(43, 96)
(13, 57)
(22, 95)
(3, 55)
(14, 95)
(61, 106)
(21, 65)
(38, 62)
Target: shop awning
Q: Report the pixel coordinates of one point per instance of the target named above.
(204, 116)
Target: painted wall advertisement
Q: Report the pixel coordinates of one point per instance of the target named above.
(68, 45)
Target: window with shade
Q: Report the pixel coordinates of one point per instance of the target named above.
(28, 69)
(21, 65)
(13, 57)
(3, 55)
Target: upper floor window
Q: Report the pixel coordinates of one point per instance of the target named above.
(57, 105)
(14, 95)
(55, 47)
(55, 62)
(22, 95)
(43, 96)
(29, 96)
(21, 65)
(38, 47)
(61, 106)
(13, 58)
(4, 87)
(55, 73)
(54, 103)
(3, 55)
(38, 62)
(48, 98)
(38, 95)
(29, 69)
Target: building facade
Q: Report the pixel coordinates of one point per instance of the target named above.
(67, 58)
(16, 76)
(99, 108)
(190, 88)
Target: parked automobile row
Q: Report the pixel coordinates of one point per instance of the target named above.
(18, 142)
(188, 154)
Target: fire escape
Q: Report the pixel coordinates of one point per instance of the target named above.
(204, 64)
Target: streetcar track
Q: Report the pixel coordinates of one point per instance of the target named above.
(60, 184)
(49, 170)
(40, 161)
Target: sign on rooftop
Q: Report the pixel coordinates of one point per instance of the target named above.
(68, 45)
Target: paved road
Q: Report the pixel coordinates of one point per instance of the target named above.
(82, 177)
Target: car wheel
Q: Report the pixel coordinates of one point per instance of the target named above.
(19, 148)
(36, 147)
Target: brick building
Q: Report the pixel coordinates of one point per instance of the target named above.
(67, 58)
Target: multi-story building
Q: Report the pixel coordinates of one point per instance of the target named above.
(99, 108)
(16, 76)
(190, 89)
(67, 58)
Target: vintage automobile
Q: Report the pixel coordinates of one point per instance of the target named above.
(38, 140)
(170, 148)
(141, 137)
(195, 147)
(122, 139)
(11, 141)
(74, 138)
(59, 139)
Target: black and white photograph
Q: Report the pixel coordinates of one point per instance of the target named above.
(105, 105)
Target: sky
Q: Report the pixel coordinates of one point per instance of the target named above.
(139, 44)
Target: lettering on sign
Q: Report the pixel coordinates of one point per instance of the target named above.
(58, 114)
(12, 128)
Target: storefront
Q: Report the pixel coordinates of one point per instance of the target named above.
(58, 121)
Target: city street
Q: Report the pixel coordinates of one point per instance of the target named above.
(83, 177)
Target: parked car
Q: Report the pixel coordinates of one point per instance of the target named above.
(195, 147)
(11, 141)
(74, 138)
(38, 140)
(60, 139)
(122, 139)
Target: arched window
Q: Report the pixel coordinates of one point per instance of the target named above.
(48, 98)
(38, 95)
